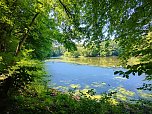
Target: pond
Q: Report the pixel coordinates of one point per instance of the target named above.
(93, 73)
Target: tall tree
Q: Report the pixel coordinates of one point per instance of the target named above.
(129, 21)
(33, 24)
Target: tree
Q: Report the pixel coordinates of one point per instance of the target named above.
(34, 24)
(25, 28)
(127, 21)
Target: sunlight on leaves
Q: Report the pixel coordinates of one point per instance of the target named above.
(62, 88)
(65, 81)
(122, 93)
(145, 95)
(87, 87)
(98, 84)
(119, 78)
(75, 85)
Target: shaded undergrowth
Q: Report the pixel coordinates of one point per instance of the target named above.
(38, 99)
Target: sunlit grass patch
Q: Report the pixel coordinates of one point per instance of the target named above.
(98, 84)
(62, 88)
(75, 86)
(121, 97)
(87, 87)
(120, 78)
(122, 94)
(113, 101)
(133, 61)
(145, 95)
(96, 97)
(125, 92)
(88, 93)
(2, 77)
(93, 61)
(65, 81)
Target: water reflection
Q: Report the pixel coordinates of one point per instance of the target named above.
(95, 61)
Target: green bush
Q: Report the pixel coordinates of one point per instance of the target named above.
(73, 54)
(38, 99)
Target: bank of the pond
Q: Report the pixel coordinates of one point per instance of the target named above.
(41, 100)
(112, 61)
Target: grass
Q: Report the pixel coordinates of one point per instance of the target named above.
(38, 99)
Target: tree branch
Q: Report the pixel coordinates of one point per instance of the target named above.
(25, 36)
(66, 9)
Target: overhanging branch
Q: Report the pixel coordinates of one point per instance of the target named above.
(66, 9)
(25, 35)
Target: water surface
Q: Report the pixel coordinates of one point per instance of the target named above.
(101, 78)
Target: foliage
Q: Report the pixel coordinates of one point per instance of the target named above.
(57, 51)
(27, 25)
(127, 21)
(24, 26)
(142, 51)
(36, 98)
(73, 54)
(21, 74)
(107, 48)
(25, 72)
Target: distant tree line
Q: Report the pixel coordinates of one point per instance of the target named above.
(106, 48)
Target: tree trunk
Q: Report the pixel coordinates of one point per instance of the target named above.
(8, 82)
(25, 36)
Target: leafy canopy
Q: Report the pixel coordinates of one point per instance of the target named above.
(35, 24)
